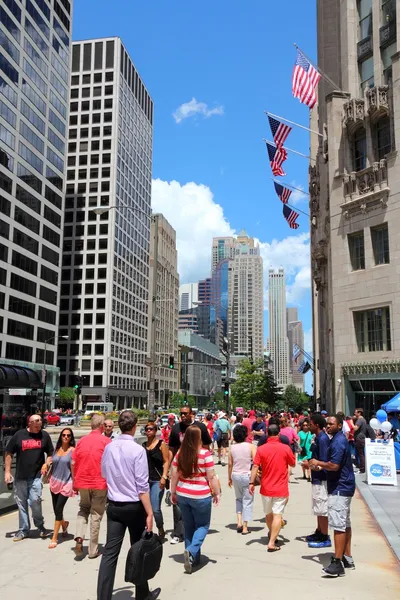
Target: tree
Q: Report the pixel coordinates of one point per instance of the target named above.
(67, 397)
(292, 396)
(254, 388)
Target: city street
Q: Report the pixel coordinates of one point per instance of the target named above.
(233, 566)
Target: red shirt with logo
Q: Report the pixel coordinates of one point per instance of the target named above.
(274, 458)
(86, 459)
(31, 450)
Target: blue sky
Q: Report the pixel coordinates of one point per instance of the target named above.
(211, 170)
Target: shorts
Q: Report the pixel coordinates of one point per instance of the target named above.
(339, 512)
(224, 441)
(320, 499)
(273, 505)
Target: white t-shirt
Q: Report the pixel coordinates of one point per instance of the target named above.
(346, 428)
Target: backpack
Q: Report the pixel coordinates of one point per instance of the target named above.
(370, 433)
(144, 559)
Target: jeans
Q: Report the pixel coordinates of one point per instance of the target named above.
(93, 503)
(28, 492)
(178, 523)
(156, 496)
(59, 501)
(120, 516)
(360, 452)
(244, 500)
(196, 514)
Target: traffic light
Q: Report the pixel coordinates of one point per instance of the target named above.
(78, 384)
(226, 389)
(171, 362)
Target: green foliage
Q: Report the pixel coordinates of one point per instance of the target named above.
(254, 388)
(295, 399)
(178, 400)
(67, 393)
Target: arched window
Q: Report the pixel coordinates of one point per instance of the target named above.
(359, 149)
(383, 142)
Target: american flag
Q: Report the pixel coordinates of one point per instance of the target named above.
(280, 131)
(283, 192)
(304, 367)
(276, 158)
(305, 81)
(290, 216)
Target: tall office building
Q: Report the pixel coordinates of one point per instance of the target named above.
(246, 299)
(295, 335)
(105, 276)
(188, 295)
(220, 302)
(34, 80)
(204, 291)
(222, 247)
(163, 310)
(354, 207)
(278, 344)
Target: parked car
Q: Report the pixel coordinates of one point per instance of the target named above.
(67, 420)
(52, 419)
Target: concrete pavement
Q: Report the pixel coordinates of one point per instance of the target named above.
(233, 566)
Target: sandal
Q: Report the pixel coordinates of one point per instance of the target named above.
(274, 549)
(53, 545)
(239, 529)
(65, 529)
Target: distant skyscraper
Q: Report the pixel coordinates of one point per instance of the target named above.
(205, 290)
(295, 336)
(188, 295)
(220, 301)
(278, 344)
(246, 304)
(223, 247)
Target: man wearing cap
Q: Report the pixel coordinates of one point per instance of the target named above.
(222, 428)
(258, 428)
(166, 430)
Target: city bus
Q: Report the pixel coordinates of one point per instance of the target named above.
(103, 407)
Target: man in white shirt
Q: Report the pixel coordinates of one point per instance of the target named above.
(345, 425)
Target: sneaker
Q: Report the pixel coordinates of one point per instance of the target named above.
(314, 537)
(18, 537)
(335, 569)
(43, 533)
(188, 562)
(219, 462)
(154, 594)
(321, 543)
(348, 563)
(175, 540)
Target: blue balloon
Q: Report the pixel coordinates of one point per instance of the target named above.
(381, 415)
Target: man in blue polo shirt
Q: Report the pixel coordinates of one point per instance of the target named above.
(341, 488)
(319, 451)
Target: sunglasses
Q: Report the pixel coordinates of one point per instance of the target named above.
(185, 414)
(68, 435)
(35, 421)
(149, 428)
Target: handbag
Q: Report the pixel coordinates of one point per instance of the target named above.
(46, 477)
(144, 559)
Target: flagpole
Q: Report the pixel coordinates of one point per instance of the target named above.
(290, 186)
(324, 75)
(290, 150)
(293, 123)
(298, 210)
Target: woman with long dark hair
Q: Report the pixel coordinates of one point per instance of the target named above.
(239, 466)
(194, 486)
(61, 481)
(158, 461)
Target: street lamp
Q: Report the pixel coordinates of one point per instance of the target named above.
(44, 371)
(101, 210)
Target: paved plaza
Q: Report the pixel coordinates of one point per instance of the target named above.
(233, 566)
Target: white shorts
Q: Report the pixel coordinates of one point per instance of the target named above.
(320, 499)
(273, 505)
(339, 512)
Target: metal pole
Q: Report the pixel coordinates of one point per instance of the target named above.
(293, 123)
(152, 374)
(289, 149)
(44, 379)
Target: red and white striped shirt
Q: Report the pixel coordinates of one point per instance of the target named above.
(197, 485)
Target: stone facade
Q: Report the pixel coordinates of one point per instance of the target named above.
(353, 191)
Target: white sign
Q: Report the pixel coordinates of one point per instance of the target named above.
(380, 462)
(17, 392)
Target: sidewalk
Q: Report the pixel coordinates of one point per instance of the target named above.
(233, 566)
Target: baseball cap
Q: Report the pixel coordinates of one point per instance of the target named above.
(324, 412)
(171, 416)
(305, 413)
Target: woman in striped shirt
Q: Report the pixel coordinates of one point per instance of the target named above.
(194, 486)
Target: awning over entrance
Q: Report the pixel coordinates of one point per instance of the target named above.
(18, 377)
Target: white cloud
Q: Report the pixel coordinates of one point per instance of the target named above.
(308, 341)
(197, 218)
(298, 195)
(195, 108)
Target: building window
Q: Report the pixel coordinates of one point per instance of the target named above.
(366, 74)
(380, 244)
(373, 330)
(382, 138)
(388, 12)
(365, 18)
(359, 149)
(357, 252)
(17, 352)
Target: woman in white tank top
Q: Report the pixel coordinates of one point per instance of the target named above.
(239, 466)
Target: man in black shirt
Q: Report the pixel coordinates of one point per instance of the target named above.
(30, 445)
(175, 441)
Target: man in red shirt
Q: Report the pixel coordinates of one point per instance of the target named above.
(248, 422)
(166, 430)
(273, 458)
(92, 487)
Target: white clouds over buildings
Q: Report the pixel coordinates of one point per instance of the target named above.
(196, 109)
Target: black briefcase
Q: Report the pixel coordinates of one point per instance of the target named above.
(144, 559)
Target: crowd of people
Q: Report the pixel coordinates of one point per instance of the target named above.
(114, 474)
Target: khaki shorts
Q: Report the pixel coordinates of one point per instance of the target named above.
(339, 512)
(273, 505)
(320, 499)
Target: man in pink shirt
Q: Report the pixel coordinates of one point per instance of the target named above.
(248, 422)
